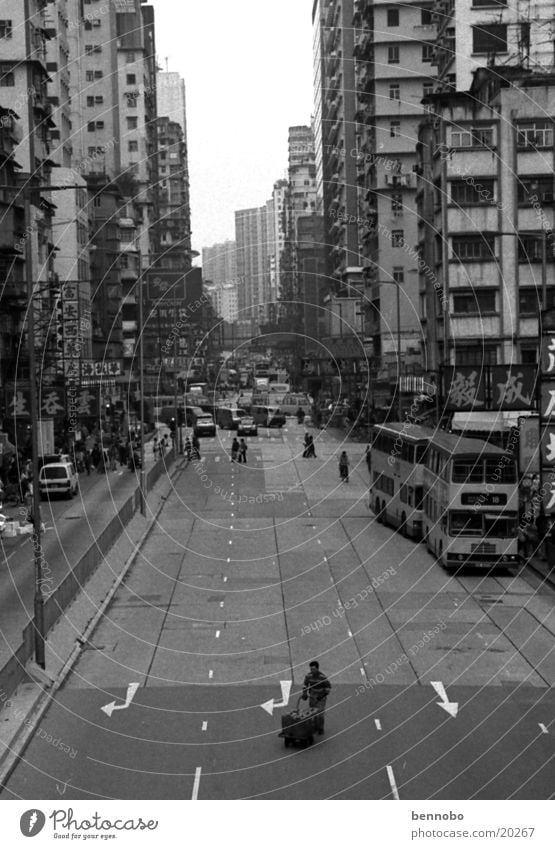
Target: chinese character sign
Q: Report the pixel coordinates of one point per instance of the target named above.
(548, 355)
(465, 388)
(529, 445)
(513, 387)
(18, 400)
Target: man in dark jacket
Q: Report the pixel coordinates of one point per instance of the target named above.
(316, 689)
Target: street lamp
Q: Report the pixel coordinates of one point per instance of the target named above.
(397, 285)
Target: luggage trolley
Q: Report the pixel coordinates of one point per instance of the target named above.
(298, 726)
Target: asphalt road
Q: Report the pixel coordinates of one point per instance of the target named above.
(253, 571)
(70, 529)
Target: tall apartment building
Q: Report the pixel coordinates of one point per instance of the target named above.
(25, 29)
(224, 299)
(485, 204)
(474, 33)
(219, 262)
(172, 105)
(253, 275)
(394, 50)
(276, 210)
(334, 131)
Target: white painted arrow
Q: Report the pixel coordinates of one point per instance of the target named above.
(285, 693)
(452, 708)
(131, 690)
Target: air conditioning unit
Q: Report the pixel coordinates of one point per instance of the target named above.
(547, 197)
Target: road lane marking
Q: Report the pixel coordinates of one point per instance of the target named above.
(217, 458)
(543, 728)
(196, 784)
(378, 724)
(225, 579)
(211, 673)
(350, 633)
(218, 635)
(392, 783)
(362, 672)
(204, 726)
(221, 604)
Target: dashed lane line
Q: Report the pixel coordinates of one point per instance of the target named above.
(204, 726)
(392, 783)
(196, 784)
(378, 724)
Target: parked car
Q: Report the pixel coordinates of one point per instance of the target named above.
(192, 414)
(204, 425)
(247, 427)
(58, 479)
(268, 416)
(229, 417)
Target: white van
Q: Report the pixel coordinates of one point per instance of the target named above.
(58, 479)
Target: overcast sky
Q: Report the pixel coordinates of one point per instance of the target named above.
(247, 67)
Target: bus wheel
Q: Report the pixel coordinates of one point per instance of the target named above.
(440, 553)
(403, 526)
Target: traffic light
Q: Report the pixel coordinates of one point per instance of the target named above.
(172, 424)
(108, 411)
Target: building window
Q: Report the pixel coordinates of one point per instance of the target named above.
(427, 89)
(478, 192)
(132, 97)
(477, 4)
(90, 49)
(397, 238)
(476, 355)
(393, 55)
(394, 129)
(131, 79)
(471, 137)
(394, 91)
(98, 75)
(97, 201)
(133, 146)
(475, 301)
(90, 101)
(491, 38)
(531, 247)
(528, 356)
(428, 51)
(467, 248)
(132, 123)
(93, 126)
(6, 29)
(426, 17)
(534, 134)
(535, 190)
(130, 58)
(399, 274)
(7, 78)
(393, 17)
(397, 204)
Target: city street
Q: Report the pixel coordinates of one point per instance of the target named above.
(70, 528)
(441, 685)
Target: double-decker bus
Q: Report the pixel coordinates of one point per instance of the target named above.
(470, 502)
(397, 475)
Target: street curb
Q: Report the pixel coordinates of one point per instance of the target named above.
(16, 747)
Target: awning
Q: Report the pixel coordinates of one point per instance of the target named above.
(488, 422)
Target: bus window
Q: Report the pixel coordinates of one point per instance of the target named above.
(444, 521)
(420, 454)
(403, 495)
(419, 497)
(502, 527)
(498, 471)
(467, 471)
(465, 524)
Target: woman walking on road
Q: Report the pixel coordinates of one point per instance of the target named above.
(234, 449)
(242, 451)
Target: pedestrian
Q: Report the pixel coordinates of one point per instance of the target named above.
(368, 458)
(311, 451)
(155, 446)
(234, 449)
(242, 451)
(344, 466)
(306, 444)
(316, 689)
(87, 460)
(23, 486)
(300, 415)
(123, 453)
(196, 447)
(188, 448)
(30, 503)
(113, 458)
